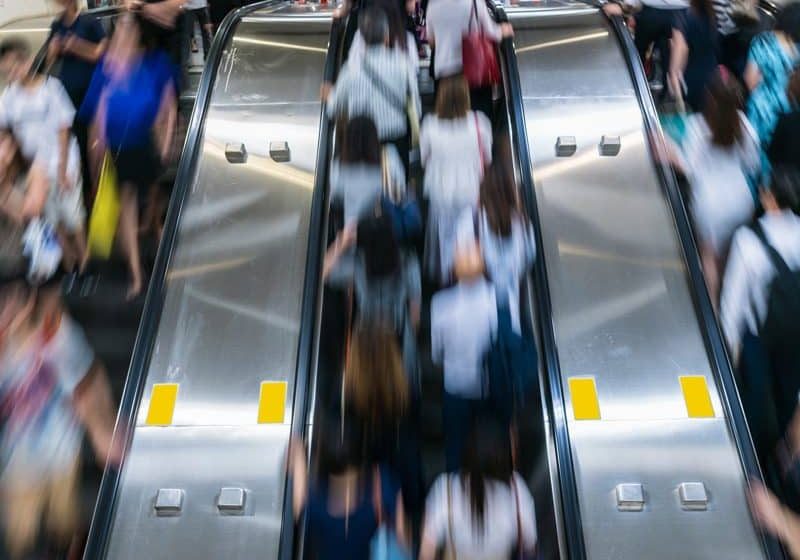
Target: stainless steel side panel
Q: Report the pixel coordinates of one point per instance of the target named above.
(622, 309)
(232, 310)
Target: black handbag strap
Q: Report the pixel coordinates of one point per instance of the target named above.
(774, 256)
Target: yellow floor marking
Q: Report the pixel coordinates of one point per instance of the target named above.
(162, 404)
(697, 397)
(585, 405)
(272, 402)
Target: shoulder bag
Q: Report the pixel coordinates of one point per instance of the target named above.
(479, 54)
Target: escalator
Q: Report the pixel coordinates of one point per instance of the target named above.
(655, 429)
(229, 359)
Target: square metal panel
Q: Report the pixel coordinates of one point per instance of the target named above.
(169, 501)
(693, 495)
(566, 146)
(630, 496)
(231, 500)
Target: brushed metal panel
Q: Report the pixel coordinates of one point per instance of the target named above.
(231, 314)
(622, 309)
(198, 461)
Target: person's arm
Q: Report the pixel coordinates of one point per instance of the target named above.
(164, 14)
(88, 51)
(400, 521)
(679, 52)
(752, 72)
(752, 76)
(735, 299)
(343, 241)
(298, 470)
(776, 518)
(166, 120)
(494, 30)
(54, 48)
(94, 406)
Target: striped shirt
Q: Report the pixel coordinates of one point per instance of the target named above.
(722, 11)
(358, 94)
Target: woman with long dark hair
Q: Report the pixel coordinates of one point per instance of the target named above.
(720, 154)
(484, 510)
(356, 173)
(694, 53)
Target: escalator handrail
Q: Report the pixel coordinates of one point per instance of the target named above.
(102, 518)
(554, 393)
(709, 324)
(312, 287)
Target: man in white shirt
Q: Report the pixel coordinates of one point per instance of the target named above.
(39, 114)
(747, 289)
(463, 321)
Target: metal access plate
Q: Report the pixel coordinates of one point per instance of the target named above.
(610, 145)
(566, 146)
(693, 495)
(236, 152)
(279, 151)
(630, 496)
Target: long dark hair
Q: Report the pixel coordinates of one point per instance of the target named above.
(498, 199)
(360, 142)
(705, 8)
(398, 37)
(487, 457)
(721, 112)
(338, 447)
(379, 247)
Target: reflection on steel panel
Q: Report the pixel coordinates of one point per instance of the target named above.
(232, 310)
(622, 309)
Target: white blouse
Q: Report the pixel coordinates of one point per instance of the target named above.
(447, 21)
(500, 532)
(452, 152)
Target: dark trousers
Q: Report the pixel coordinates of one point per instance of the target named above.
(458, 415)
(204, 21)
(81, 132)
(654, 27)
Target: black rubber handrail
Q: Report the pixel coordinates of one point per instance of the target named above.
(154, 302)
(709, 325)
(317, 239)
(554, 392)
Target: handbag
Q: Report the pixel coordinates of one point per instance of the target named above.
(105, 212)
(384, 544)
(479, 55)
(40, 245)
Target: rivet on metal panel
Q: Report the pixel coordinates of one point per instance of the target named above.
(231, 500)
(566, 146)
(610, 145)
(630, 496)
(169, 501)
(236, 153)
(279, 151)
(693, 496)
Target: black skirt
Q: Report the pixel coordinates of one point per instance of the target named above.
(139, 166)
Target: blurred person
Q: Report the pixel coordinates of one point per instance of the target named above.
(39, 112)
(655, 21)
(772, 56)
(356, 175)
(52, 388)
(399, 37)
(198, 12)
(784, 149)
(132, 106)
(378, 86)
(447, 22)
(463, 321)
(759, 299)
(387, 281)
(343, 496)
(378, 398)
(170, 27)
(484, 510)
(505, 234)
(77, 40)
(720, 154)
(24, 188)
(693, 58)
(775, 518)
(455, 147)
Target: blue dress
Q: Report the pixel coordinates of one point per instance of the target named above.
(700, 33)
(336, 537)
(768, 99)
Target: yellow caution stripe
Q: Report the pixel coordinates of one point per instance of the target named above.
(272, 402)
(697, 396)
(162, 404)
(583, 393)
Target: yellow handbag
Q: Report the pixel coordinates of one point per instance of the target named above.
(105, 212)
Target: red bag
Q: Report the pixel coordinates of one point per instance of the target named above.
(479, 55)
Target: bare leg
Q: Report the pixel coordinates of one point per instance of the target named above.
(129, 237)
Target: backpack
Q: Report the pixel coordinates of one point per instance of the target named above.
(780, 332)
(510, 367)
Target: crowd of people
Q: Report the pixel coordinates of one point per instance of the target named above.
(734, 82)
(98, 115)
(428, 251)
